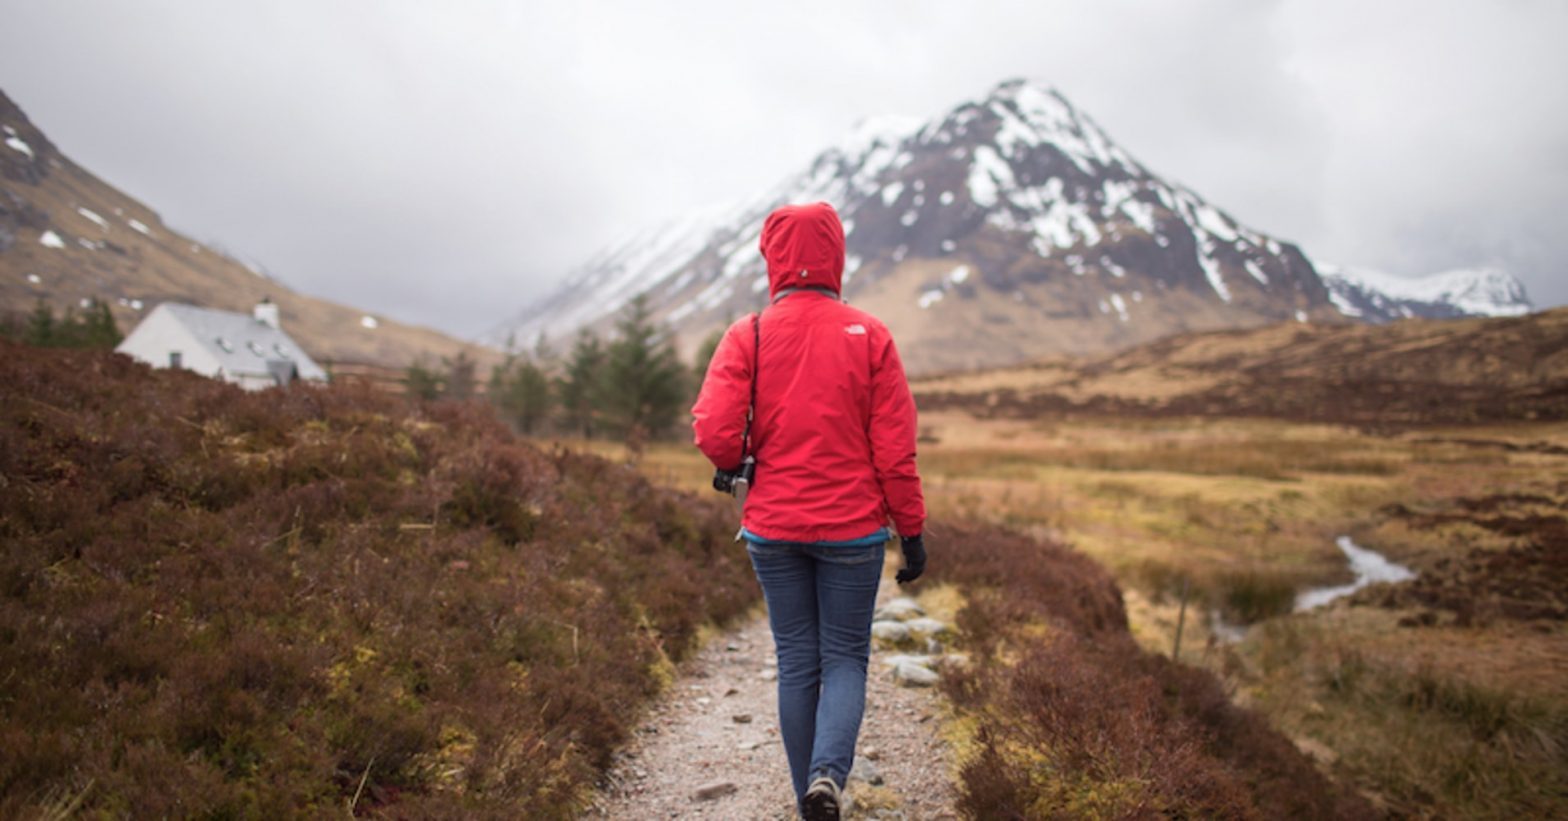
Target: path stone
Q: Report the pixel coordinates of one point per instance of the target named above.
(864, 770)
(910, 674)
(899, 609)
(890, 631)
(927, 626)
(716, 789)
(896, 659)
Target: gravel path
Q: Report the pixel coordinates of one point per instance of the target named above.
(715, 732)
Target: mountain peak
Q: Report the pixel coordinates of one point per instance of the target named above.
(1009, 227)
(1011, 89)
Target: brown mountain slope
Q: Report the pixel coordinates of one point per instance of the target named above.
(1412, 372)
(67, 236)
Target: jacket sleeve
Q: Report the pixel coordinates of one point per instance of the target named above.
(719, 417)
(892, 434)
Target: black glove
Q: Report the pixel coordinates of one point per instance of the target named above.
(914, 559)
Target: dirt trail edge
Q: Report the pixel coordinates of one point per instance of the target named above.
(710, 748)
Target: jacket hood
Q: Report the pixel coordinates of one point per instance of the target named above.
(804, 247)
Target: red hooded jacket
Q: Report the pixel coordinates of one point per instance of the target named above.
(834, 435)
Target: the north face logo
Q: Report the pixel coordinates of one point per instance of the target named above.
(857, 329)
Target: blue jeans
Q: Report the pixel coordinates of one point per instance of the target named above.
(820, 601)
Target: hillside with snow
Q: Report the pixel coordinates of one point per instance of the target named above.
(1009, 228)
(67, 237)
(1373, 296)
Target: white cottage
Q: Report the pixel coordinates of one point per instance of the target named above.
(250, 351)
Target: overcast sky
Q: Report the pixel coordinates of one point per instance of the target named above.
(447, 163)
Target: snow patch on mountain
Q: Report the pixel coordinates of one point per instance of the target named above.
(1376, 296)
(16, 143)
(90, 215)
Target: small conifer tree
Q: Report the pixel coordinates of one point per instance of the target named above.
(644, 383)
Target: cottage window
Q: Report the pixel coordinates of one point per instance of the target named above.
(174, 359)
(254, 348)
(226, 345)
(278, 346)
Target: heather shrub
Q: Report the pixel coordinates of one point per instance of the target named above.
(280, 604)
(1071, 719)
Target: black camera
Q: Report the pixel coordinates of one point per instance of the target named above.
(735, 482)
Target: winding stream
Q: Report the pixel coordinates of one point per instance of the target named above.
(1369, 567)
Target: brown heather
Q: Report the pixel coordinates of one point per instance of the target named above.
(1069, 718)
(224, 604)
(236, 605)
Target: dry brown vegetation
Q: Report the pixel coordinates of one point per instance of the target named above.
(1220, 504)
(1378, 376)
(260, 601)
(1225, 465)
(1456, 698)
(226, 604)
(1069, 718)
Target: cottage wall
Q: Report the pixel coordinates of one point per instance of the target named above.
(161, 333)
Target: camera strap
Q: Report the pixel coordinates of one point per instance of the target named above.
(751, 409)
(742, 484)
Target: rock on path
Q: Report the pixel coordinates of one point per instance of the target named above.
(710, 747)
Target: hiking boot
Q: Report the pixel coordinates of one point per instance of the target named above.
(822, 800)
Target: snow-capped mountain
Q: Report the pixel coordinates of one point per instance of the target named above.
(1008, 228)
(1373, 296)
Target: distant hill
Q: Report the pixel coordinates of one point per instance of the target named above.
(1404, 373)
(1374, 296)
(1008, 228)
(67, 236)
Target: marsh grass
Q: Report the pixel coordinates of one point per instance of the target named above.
(1244, 512)
(1284, 460)
(1424, 740)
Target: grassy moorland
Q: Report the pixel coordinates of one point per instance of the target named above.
(298, 603)
(224, 604)
(313, 602)
(1225, 465)
(1447, 694)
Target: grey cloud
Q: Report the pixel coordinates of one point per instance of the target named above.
(447, 163)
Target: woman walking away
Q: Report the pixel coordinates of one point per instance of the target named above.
(832, 432)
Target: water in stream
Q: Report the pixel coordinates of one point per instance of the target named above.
(1368, 566)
